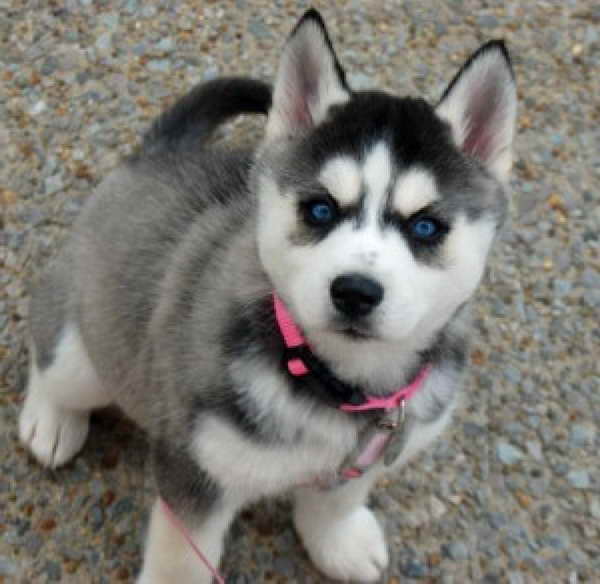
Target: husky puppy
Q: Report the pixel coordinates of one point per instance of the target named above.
(366, 216)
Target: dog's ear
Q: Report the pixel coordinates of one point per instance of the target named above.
(480, 103)
(309, 80)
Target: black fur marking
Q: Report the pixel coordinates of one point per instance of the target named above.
(253, 332)
(223, 403)
(196, 115)
(182, 482)
(409, 126)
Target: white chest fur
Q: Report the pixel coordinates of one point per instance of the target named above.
(313, 439)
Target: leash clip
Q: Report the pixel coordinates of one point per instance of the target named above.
(398, 435)
(377, 439)
(393, 418)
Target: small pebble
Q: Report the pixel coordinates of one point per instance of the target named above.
(534, 448)
(561, 288)
(487, 21)
(53, 184)
(165, 45)
(360, 81)
(456, 550)
(580, 479)
(258, 29)
(507, 453)
(53, 571)
(592, 298)
(96, 517)
(104, 41)
(581, 435)
(33, 542)
(438, 509)
(7, 567)
(557, 542)
(38, 108)
(159, 65)
(414, 569)
(595, 507)
(591, 278)
(515, 578)
(512, 374)
(211, 72)
(122, 507)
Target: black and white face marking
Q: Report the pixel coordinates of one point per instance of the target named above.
(383, 190)
(391, 226)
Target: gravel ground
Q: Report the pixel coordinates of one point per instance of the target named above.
(512, 492)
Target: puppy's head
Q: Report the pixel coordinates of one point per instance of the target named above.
(377, 213)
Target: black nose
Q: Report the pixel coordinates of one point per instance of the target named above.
(355, 295)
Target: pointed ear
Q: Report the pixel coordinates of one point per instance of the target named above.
(308, 82)
(480, 103)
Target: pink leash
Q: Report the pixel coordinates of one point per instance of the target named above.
(179, 526)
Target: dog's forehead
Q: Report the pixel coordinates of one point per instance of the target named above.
(350, 178)
(410, 128)
(379, 142)
(375, 179)
(377, 138)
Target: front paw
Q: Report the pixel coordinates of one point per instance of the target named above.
(351, 548)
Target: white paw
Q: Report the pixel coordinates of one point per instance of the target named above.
(351, 548)
(54, 435)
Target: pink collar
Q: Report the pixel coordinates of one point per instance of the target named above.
(294, 340)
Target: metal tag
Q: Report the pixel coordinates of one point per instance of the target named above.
(395, 444)
(390, 434)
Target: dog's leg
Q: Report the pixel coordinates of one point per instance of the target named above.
(169, 558)
(54, 422)
(341, 535)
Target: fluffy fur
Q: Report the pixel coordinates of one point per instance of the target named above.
(161, 300)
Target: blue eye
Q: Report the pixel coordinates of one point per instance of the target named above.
(425, 228)
(320, 212)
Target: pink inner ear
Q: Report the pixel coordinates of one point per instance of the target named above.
(482, 121)
(302, 91)
(300, 115)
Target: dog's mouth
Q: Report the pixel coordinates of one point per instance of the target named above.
(356, 335)
(355, 332)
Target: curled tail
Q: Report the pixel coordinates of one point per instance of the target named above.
(197, 114)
